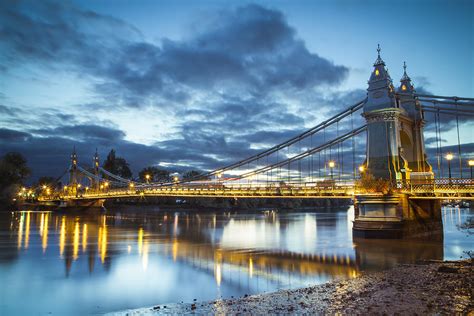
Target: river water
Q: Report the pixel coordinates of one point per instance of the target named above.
(93, 263)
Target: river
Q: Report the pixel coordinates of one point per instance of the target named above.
(98, 262)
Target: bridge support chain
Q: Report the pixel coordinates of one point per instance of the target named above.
(396, 216)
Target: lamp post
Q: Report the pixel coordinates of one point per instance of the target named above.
(361, 169)
(449, 157)
(147, 177)
(470, 163)
(331, 165)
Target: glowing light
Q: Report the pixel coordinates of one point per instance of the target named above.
(84, 238)
(219, 175)
(404, 87)
(470, 163)
(176, 178)
(147, 176)
(145, 256)
(331, 164)
(140, 241)
(20, 230)
(76, 242)
(106, 184)
(23, 189)
(175, 249)
(449, 156)
(27, 230)
(62, 236)
(377, 72)
(250, 267)
(44, 240)
(44, 187)
(129, 249)
(218, 273)
(79, 185)
(361, 169)
(131, 185)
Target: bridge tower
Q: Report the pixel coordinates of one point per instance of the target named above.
(96, 182)
(395, 146)
(73, 180)
(396, 153)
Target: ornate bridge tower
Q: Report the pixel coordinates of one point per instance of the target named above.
(73, 173)
(395, 145)
(96, 183)
(395, 152)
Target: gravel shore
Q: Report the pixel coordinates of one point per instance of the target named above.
(429, 288)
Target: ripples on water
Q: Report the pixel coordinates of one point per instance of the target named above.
(83, 263)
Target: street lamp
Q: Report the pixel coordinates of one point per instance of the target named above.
(147, 177)
(361, 169)
(449, 157)
(331, 165)
(131, 185)
(470, 163)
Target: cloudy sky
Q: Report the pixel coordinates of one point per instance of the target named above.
(205, 83)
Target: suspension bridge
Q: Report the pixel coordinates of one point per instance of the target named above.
(375, 147)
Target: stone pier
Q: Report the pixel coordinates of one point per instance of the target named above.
(397, 216)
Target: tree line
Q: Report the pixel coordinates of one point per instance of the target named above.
(14, 172)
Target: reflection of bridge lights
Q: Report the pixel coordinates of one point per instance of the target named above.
(250, 267)
(62, 236)
(44, 239)
(76, 241)
(84, 238)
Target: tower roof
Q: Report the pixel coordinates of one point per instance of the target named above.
(379, 60)
(406, 86)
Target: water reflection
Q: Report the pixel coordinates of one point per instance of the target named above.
(158, 257)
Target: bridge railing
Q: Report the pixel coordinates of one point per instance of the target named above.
(448, 185)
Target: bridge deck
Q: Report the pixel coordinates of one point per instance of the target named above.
(440, 189)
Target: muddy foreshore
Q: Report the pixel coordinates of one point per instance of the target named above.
(426, 288)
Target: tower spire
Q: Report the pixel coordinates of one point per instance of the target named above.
(405, 76)
(379, 60)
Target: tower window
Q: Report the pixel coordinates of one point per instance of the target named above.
(377, 72)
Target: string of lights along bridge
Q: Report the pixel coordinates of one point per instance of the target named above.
(379, 138)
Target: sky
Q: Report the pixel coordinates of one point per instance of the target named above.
(200, 84)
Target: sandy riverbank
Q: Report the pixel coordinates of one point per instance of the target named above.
(431, 288)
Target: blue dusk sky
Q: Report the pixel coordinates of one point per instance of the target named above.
(205, 83)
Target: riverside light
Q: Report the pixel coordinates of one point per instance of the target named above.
(361, 169)
(449, 157)
(332, 164)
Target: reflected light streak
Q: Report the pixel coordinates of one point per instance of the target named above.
(84, 238)
(27, 229)
(140, 241)
(20, 230)
(62, 236)
(175, 249)
(145, 256)
(218, 273)
(103, 244)
(250, 267)
(75, 253)
(175, 225)
(41, 224)
(44, 239)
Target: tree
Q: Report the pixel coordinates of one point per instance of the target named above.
(155, 174)
(193, 174)
(117, 165)
(13, 172)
